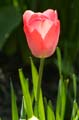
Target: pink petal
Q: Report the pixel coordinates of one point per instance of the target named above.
(35, 42)
(52, 37)
(27, 15)
(42, 26)
(37, 17)
(51, 14)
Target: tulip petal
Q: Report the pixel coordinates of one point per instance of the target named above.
(27, 15)
(35, 42)
(37, 17)
(42, 27)
(51, 14)
(51, 39)
(37, 45)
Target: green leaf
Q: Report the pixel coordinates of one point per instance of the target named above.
(59, 61)
(26, 94)
(34, 78)
(32, 96)
(78, 112)
(74, 110)
(14, 106)
(10, 18)
(41, 107)
(61, 101)
(50, 112)
(45, 103)
(36, 110)
(23, 113)
(74, 85)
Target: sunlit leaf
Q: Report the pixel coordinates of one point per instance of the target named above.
(34, 78)
(74, 110)
(41, 107)
(59, 61)
(14, 106)
(23, 113)
(50, 112)
(36, 110)
(26, 94)
(61, 101)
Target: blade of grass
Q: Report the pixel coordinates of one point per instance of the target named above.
(61, 98)
(26, 94)
(34, 78)
(74, 85)
(14, 106)
(45, 105)
(23, 113)
(61, 101)
(74, 110)
(58, 105)
(36, 110)
(78, 112)
(41, 107)
(50, 112)
(59, 61)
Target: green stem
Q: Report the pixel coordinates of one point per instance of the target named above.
(40, 78)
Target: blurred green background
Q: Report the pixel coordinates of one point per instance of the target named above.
(14, 52)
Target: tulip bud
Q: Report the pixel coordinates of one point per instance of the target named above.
(42, 32)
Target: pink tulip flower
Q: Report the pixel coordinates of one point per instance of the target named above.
(42, 32)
